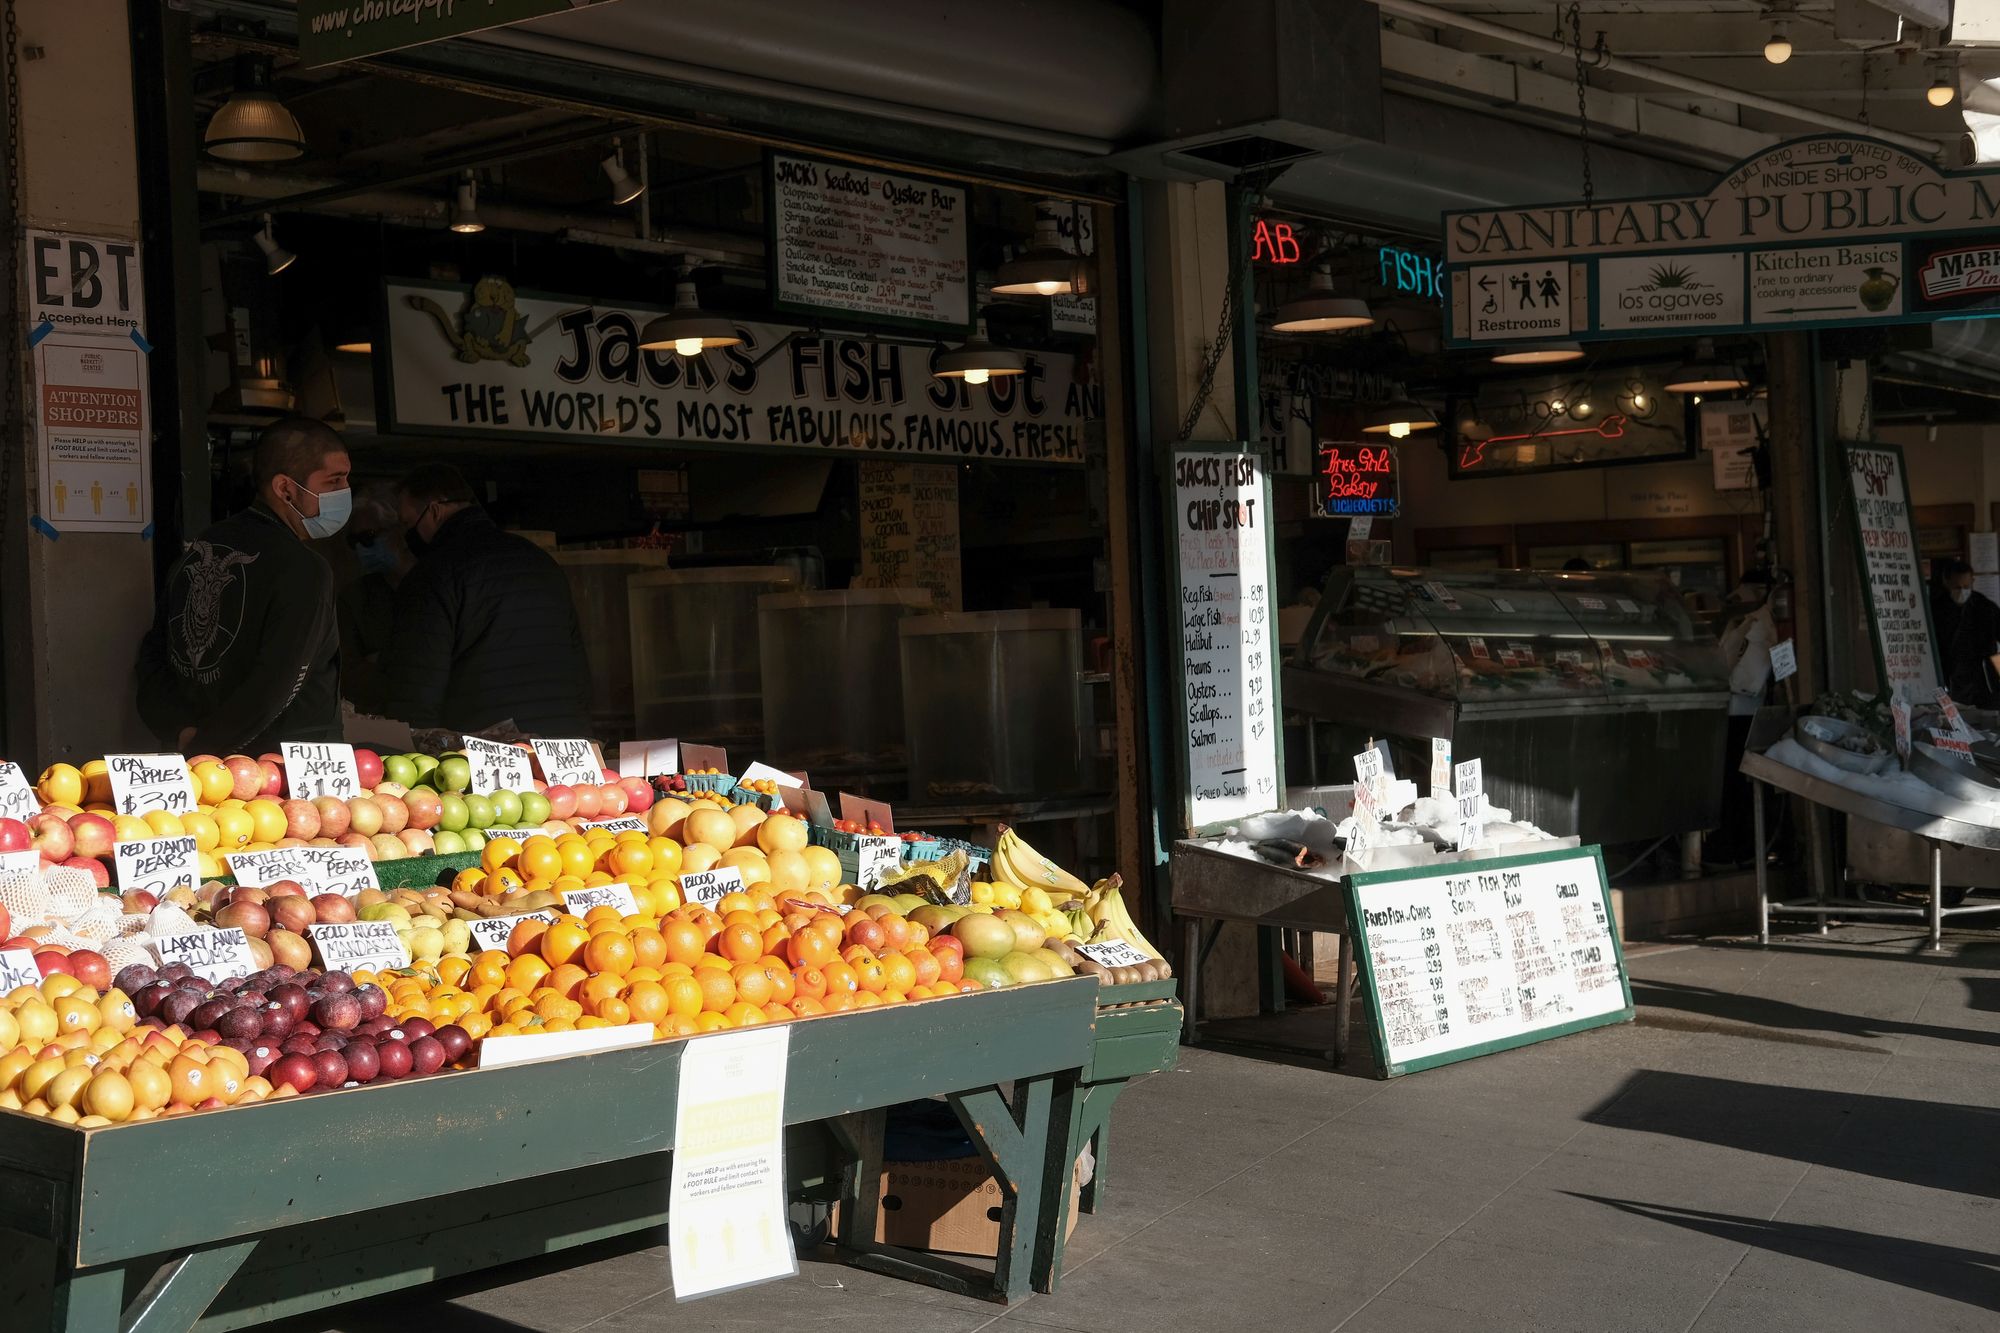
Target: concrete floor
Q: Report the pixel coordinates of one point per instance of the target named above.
(1799, 1138)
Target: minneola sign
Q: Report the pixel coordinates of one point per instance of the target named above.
(1818, 232)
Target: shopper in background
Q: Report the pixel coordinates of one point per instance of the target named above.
(368, 603)
(244, 649)
(485, 631)
(1968, 634)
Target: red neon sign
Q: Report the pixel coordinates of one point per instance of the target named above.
(1275, 243)
(1611, 428)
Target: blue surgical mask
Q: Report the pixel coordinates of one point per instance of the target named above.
(376, 555)
(334, 509)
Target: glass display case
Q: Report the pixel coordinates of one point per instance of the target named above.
(1563, 683)
(697, 665)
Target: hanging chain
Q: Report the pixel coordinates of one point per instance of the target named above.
(13, 425)
(1582, 105)
(1864, 90)
(1212, 362)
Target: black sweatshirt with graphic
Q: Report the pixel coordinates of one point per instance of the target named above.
(245, 645)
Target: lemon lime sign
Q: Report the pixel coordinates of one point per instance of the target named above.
(1816, 233)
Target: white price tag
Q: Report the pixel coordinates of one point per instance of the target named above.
(1952, 717)
(727, 1192)
(498, 767)
(345, 946)
(500, 1052)
(1899, 712)
(1359, 527)
(1368, 771)
(648, 759)
(622, 824)
(580, 901)
(213, 955)
(1468, 778)
(517, 834)
(493, 932)
(1440, 765)
(314, 770)
(709, 887)
(28, 862)
(1113, 953)
(158, 865)
(875, 858)
(763, 772)
(144, 782)
(342, 870)
(568, 763)
(17, 798)
(17, 969)
(1784, 660)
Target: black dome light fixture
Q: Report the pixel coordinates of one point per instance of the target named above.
(253, 126)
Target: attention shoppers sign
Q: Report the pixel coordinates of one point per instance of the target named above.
(488, 362)
(1821, 232)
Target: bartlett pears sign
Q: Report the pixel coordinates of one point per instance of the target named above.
(1816, 233)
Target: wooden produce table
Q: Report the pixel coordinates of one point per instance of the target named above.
(225, 1219)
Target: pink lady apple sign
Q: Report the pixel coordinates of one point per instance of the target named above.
(17, 798)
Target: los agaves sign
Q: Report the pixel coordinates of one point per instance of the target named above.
(1819, 232)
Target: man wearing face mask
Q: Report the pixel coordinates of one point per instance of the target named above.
(485, 629)
(1968, 634)
(244, 649)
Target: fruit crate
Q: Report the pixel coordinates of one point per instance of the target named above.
(542, 1158)
(1136, 992)
(763, 800)
(716, 782)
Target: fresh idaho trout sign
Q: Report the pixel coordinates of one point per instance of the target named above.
(488, 362)
(1822, 232)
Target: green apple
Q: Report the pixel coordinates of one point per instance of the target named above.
(479, 811)
(448, 843)
(475, 841)
(506, 808)
(454, 773)
(534, 808)
(401, 770)
(452, 812)
(425, 764)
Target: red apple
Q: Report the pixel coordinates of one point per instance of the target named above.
(249, 776)
(562, 800)
(333, 907)
(301, 819)
(137, 902)
(589, 801)
(48, 962)
(284, 888)
(361, 840)
(368, 766)
(638, 794)
(364, 816)
(274, 778)
(395, 814)
(6, 925)
(388, 847)
(52, 836)
(14, 836)
(333, 816)
(426, 809)
(90, 967)
(100, 874)
(95, 835)
(611, 800)
(419, 841)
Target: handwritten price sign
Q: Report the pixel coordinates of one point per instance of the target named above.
(145, 782)
(321, 770)
(580, 901)
(343, 870)
(17, 969)
(493, 932)
(709, 887)
(17, 798)
(497, 767)
(1113, 953)
(345, 946)
(568, 763)
(213, 955)
(622, 824)
(158, 865)
(876, 858)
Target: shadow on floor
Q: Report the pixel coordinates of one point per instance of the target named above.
(1978, 952)
(1757, 1011)
(1967, 1276)
(1983, 993)
(1936, 1145)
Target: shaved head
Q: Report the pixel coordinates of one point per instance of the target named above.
(295, 447)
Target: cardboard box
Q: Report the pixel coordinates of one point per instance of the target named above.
(947, 1207)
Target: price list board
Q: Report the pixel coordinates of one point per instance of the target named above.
(1480, 956)
(1892, 576)
(1221, 518)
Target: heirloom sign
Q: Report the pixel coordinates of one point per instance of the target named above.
(1817, 232)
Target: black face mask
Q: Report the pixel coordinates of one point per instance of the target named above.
(414, 540)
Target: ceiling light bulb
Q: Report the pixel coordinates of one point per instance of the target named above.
(624, 189)
(276, 257)
(1697, 400)
(1558, 406)
(1320, 310)
(1779, 49)
(1639, 401)
(1538, 354)
(687, 328)
(253, 126)
(1048, 288)
(1399, 430)
(465, 217)
(1941, 92)
(687, 347)
(978, 375)
(1046, 267)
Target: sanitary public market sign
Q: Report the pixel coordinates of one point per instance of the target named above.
(1820, 232)
(334, 30)
(488, 362)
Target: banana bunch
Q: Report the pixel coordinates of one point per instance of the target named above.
(1016, 863)
(1113, 922)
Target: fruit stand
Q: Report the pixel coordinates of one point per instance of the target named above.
(178, 1224)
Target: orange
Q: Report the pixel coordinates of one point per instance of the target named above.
(504, 880)
(746, 1015)
(563, 941)
(805, 1006)
(775, 936)
(783, 984)
(647, 1002)
(649, 946)
(526, 936)
(753, 983)
(469, 880)
(612, 1011)
(489, 968)
(498, 853)
(666, 856)
(540, 858)
(603, 986)
(267, 818)
(740, 943)
(868, 971)
(808, 981)
(236, 827)
(556, 1008)
(476, 1025)
(526, 972)
(712, 960)
(710, 1021)
(866, 999)
(810, 948)
(453, 971)
(840, 978)
(718, 991)
(926, 964)
(685, 995)
(838, 1001)
(899, 972)
(631, 858)
(577, 858)
(600, 914)
(676, 1025)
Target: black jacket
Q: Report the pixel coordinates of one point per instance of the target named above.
(486, 632)
(1968, 636)
(244, 646)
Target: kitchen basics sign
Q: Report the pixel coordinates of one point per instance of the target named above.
(869, 244)
(1822, 232)
(489, 362)
(1222, 523)
(1892, 576)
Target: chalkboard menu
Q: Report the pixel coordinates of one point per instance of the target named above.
(873, 244)
(909, 530)
(1222, 523)
(1473, 957)
(1892, 574)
